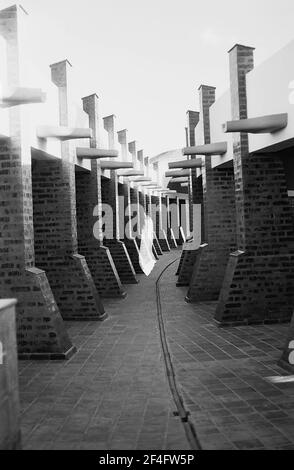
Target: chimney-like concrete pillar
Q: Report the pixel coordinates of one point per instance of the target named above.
(135, 199)
(140, 158)
(90, 215)
(133, 151)
(146, 166)
(219, 225)
(40, 329)
(192, 122)
(67, 269)
(265, 237)
(110, 196)
(125, 194)
(109, 126)
(123, 141)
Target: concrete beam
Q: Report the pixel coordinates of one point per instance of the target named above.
(217, 148)
(115, 165)
(94, 153)
(130, 173)
(142, 179)
(259, 125)
(178, 180)
(21, 95)
(186, 164)
(177, 174)
(63, 133)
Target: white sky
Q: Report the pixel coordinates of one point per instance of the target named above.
(146, 58)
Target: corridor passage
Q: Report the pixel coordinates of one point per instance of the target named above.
(114, 394)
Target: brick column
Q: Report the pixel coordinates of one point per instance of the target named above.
(192, 122)
(110, 196)
(125, 192)
(155, 219)
(55, 218)
(149, 212)
(258, 285)
(169, 232)
(40, 329)
(89, 216)
(219, 225)
(135, 193)
(160, 224)
(163, 224)
(10, 434)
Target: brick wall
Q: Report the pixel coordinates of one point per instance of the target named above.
(117, 248)
(56, 242)
(40, 329)
(128, 238)
(99, 259)
(188, 256)
(220, 237)
(10, 435)
(259, 280)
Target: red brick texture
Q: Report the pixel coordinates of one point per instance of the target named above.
(188, 257)
(56, 242)
(220, 234)
(258, 284)
(117, 248)
(40, 328)
(128, 238)
(160, 233)
(89, 211)
(99, 259)
(192, 121)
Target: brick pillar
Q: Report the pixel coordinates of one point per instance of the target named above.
(155, 219)
(89, 212)
(10, 434)
(192, 122)
(110, 196)
(189, 252)
(160, 215)
(219, 225)
(40, 328)
(169, 231)
(149, 212)
(136, 209)
(55, 219)
(163, 224)
(127, 237)
(129, 241)
(258, 285)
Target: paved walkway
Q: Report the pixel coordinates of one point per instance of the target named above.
(113, 394)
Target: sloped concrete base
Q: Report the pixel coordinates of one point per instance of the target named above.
(122, 261)
(40, 327)
(257, 289)
(207, 274)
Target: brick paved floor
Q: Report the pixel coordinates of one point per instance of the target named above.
(113, 394)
